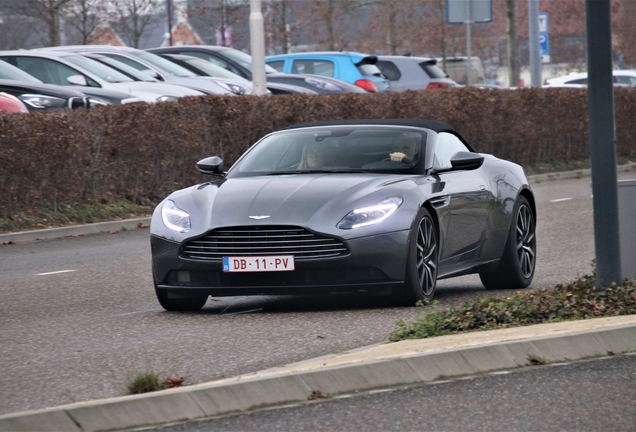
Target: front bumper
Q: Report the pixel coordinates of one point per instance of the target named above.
(374, 262)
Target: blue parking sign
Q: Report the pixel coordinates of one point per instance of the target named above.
(544, 38)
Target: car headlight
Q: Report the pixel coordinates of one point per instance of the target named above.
(370, 215)
(234, 88)
(175, 218)
(42, 101)
(94, 102)
(323, 84)
(165, 98)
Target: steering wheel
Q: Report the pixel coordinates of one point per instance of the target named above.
(404, 160)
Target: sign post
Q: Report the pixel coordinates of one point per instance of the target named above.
(468, 12)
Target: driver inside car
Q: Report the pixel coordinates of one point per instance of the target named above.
(404, 147)
(314, 156)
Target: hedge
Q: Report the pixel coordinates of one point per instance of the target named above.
(141, 152)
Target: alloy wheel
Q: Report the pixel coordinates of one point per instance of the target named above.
(526, 241)
(426, 256)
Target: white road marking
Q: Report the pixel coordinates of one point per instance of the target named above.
(560, 200)
(55, 272)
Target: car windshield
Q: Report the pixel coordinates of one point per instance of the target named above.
(99, 69)
(369, 70)
(349, 149)
(211, 69)
(432, 70)
(243, 59)
(164, 64)
(124, 68)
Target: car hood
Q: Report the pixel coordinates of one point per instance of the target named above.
(207, 86)
(150, 92)
(314, 201)
(163, 89)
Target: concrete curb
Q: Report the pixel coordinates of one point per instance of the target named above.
(75, 230)
(541, 178)
(408, 363)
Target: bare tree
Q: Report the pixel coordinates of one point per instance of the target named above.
(86, 16)
(627, 32)
(278, 27)
(386, 19)
(328, 21)
(49, 12)
(15, 30)
(133, 17)
(223, 16)
(512, 43)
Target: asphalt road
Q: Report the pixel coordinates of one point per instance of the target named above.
(78, 317)
(596, 395)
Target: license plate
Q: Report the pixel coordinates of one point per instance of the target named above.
(259, 264)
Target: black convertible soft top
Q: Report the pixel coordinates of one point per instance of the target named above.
(433, 125)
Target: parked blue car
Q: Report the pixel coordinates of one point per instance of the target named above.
(356, 68)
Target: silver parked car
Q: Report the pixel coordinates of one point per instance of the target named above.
(153, 65)
(69, 69)
(413, 73)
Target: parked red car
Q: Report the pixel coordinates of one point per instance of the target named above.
(11, 104)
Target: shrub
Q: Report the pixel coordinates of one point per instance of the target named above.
(146, 382)
(574, 301)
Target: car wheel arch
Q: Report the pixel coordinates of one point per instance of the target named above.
(527, 194)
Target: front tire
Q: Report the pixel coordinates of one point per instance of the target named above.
(181, 302)
(422, 260)
(516, 268)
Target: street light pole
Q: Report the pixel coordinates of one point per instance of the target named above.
(600, 92)
(534, 45)
(469, 51)
(257, 44)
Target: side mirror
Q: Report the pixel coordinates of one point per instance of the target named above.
(79, 80)
(462, 161)
(466, 160)
(211, 166)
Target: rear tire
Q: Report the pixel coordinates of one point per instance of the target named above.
(422, 260)
(182, 302)
(516, 268)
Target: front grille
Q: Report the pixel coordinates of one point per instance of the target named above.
(263, 240)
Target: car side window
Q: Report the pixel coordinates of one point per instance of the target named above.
(316, 67)
(389, 70)
(278, 65)
(35, 67)
(49, 71)
(623, 80)
(446, 146)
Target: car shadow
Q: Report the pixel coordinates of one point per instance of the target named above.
(263, 304)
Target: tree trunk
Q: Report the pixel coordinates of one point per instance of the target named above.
(513, 44)
(54, 26)
(329, 21)
(393, 42)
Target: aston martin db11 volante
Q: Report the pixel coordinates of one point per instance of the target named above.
(356, 205)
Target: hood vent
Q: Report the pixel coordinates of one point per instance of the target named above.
(263, 240)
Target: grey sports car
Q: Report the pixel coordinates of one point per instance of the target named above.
(346, 206)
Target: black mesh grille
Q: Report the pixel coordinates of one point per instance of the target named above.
(263, 240)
